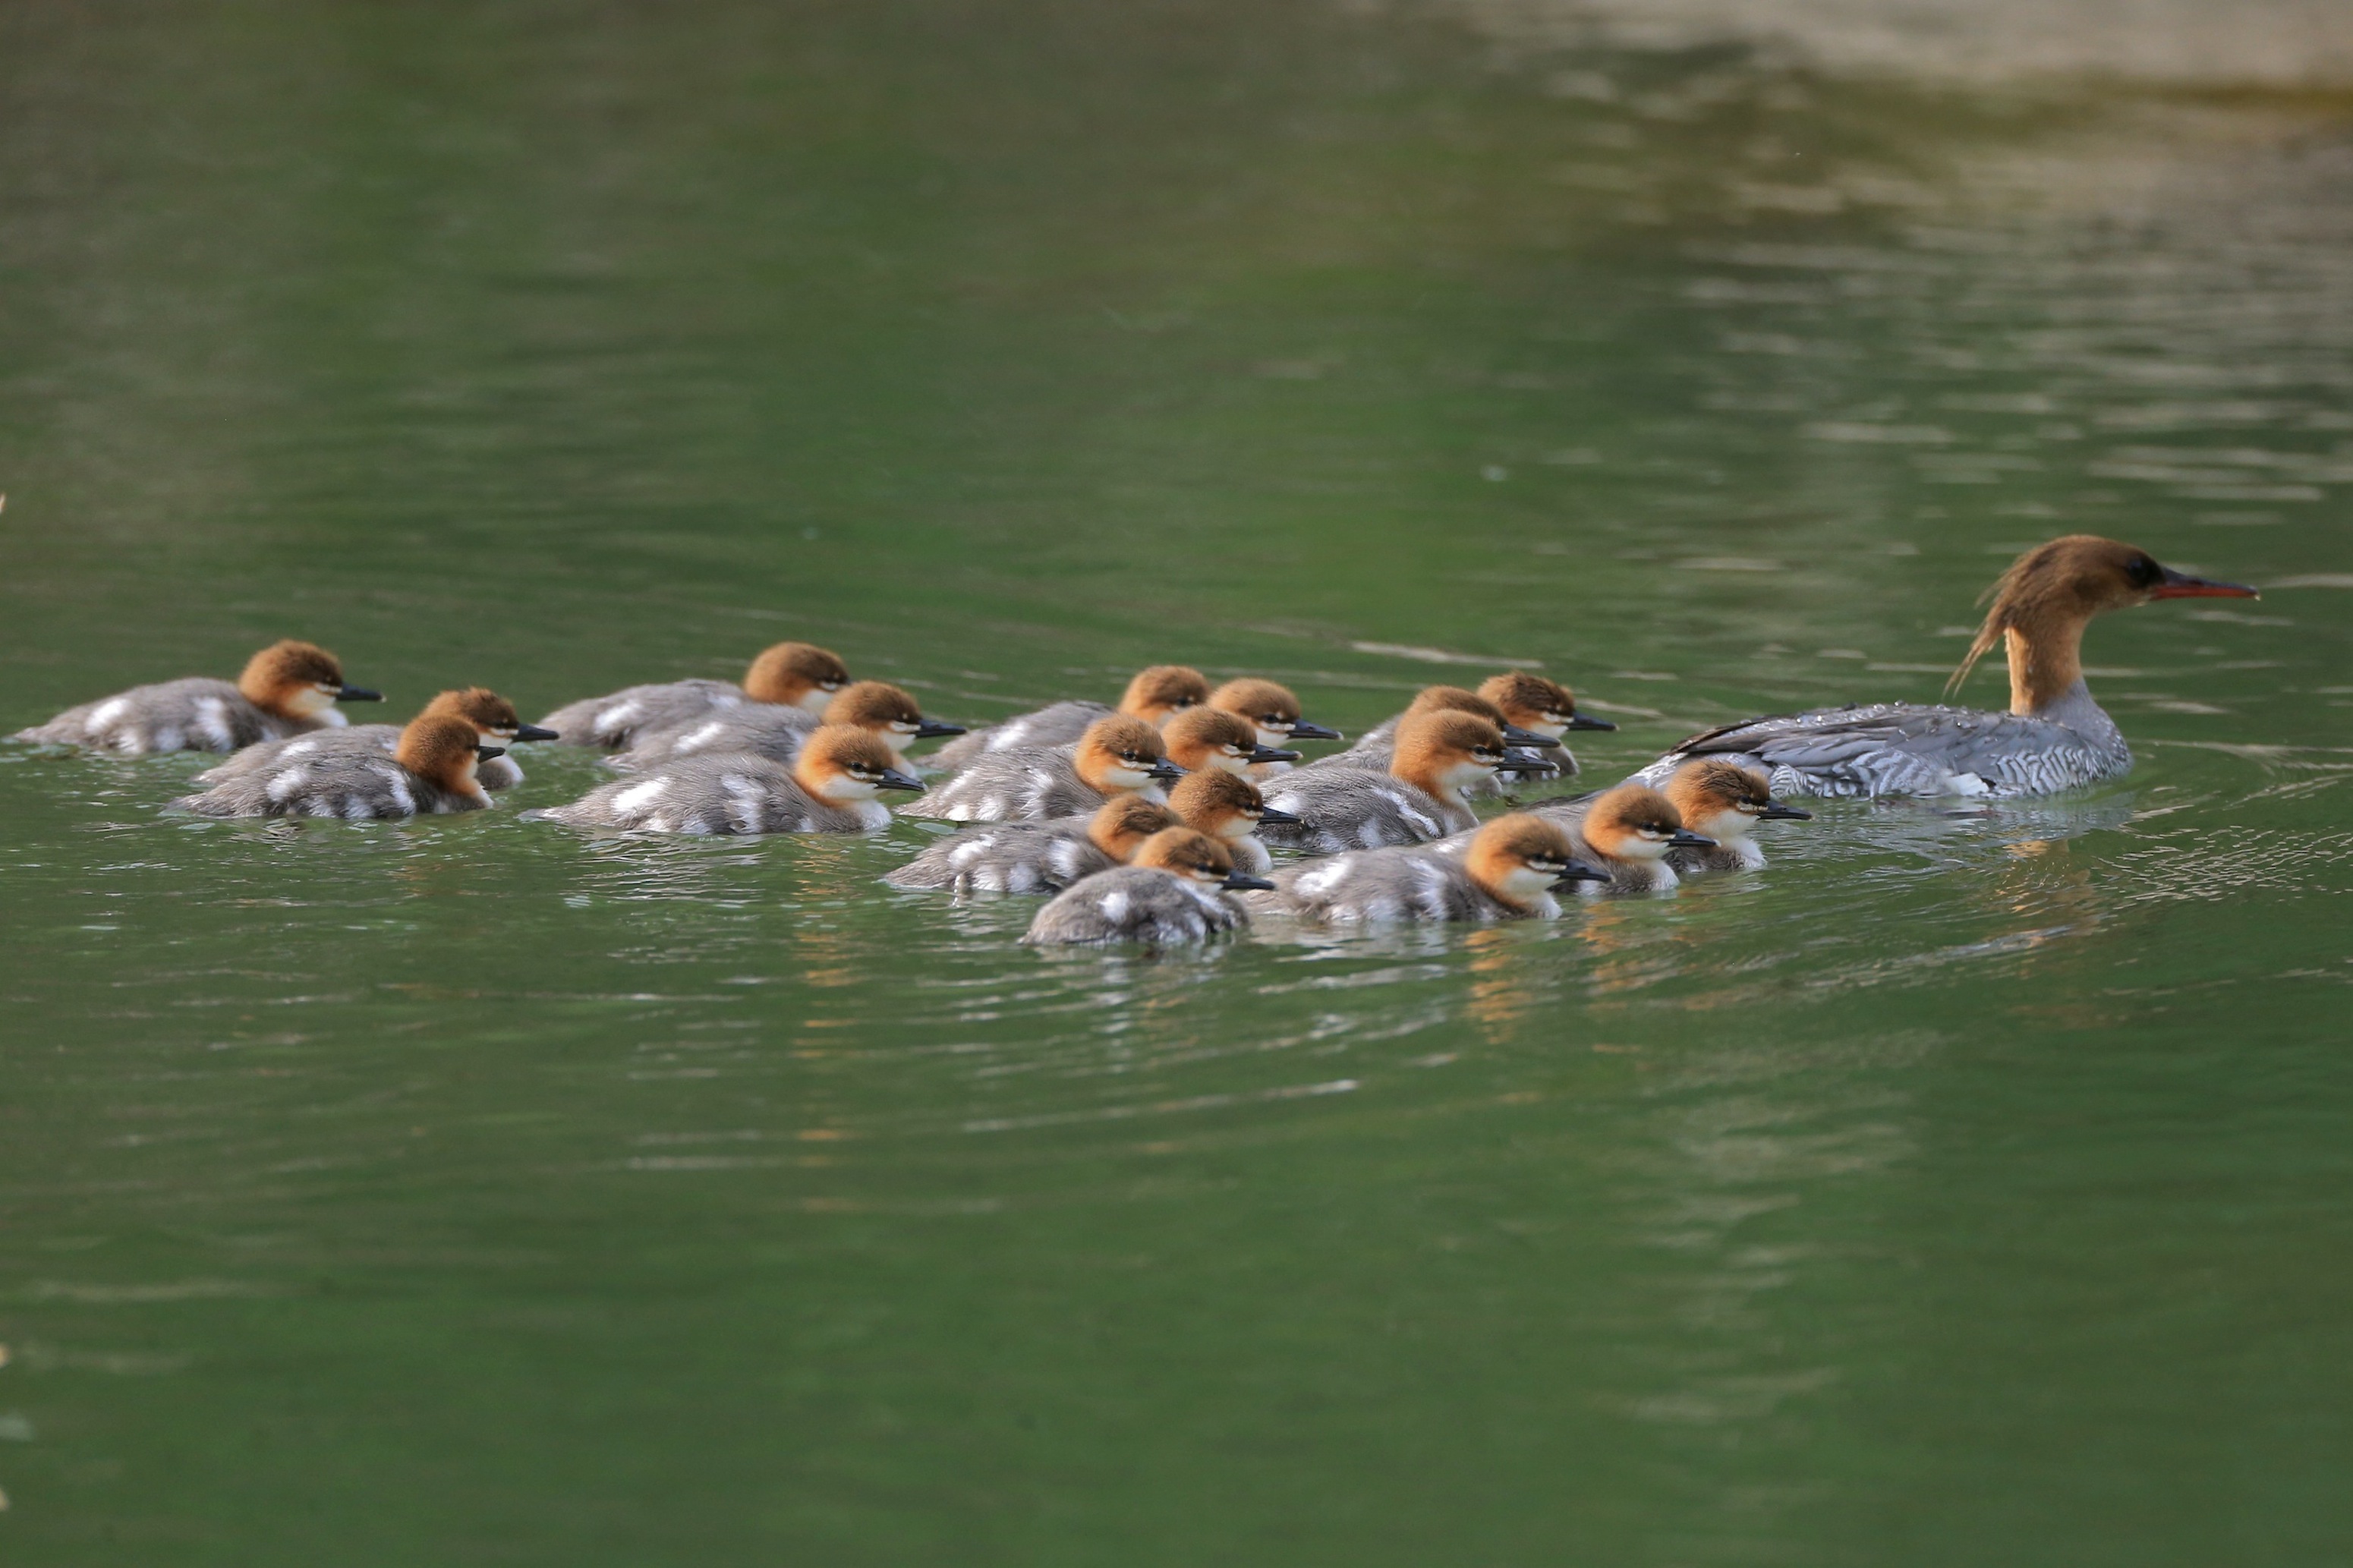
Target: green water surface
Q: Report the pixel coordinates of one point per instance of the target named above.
(1965, 1188)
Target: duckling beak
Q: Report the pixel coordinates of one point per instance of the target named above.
(1243, 881)
(893, 779)
(1163, 769)
(1587, 721)
(484, 753)
(533, 732)
(2181, 586)
(935, 730)
(1685, 839)
(349, 693)
(1279, 817)
(1527, 763)
(1301, 729)
(1273, 755)
(1519, 737)
(1578, 872)
(1776, 812)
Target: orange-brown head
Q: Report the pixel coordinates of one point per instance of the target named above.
(1119, 826)
(1455, 700)
(1119, 754)
(1536, 704)
(1164, 689)
(1202, 738)
(1723, 800)
(1196, 857)
(795, 675)
(887, 710)
(491, 715)
(1222, 804)
(443, 749)
(1272, 710)
(2041, 605)
(844, 765)
(299, 680)
(1445, 751)
(1521, 858)
(1635, 822)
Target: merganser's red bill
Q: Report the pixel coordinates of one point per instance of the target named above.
(2181, 585)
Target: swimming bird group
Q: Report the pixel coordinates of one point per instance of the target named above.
(1150, 820)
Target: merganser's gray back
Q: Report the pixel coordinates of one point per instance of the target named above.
(1355, 808)
(756, 729)
(355, 784)
(1034, 784)
(1057, 724)
(1138, 904)
(357, 740)
(1386, 885)
(1006, 857)
(717, 795)
(615, 720)
(196, 714)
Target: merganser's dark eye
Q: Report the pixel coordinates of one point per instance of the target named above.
(2144, 572)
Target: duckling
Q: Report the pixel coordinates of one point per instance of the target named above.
(1037, 857)
(1229, 810)
(830, 788)
(1629, 832)
(492, 716)
(1154, 695)
(1202, 738)
(1374, 747)
(287, 689)
(1541, 706)
(430, 771)
(1510, 870)
(788, 674)
(1274, 713)
(1726, 801)
(770, 730)
(1034, 784)
(2055, 737)
(1439, 754)
(1170, 894)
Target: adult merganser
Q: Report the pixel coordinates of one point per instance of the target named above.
(1152, 695)
(790, 674)
(1723, 801)
(1037, 857)
(491, 715)
(1274, 713)
(1374, 747)
(1542, 707)
(1229, 809)
(431, 770)
(1510, 870)
(1629, 833)
(1202, 738)
(830, 788)
(1170, 894)
(2054, 736)
(1116, 755)
(287, 689)
(1439, 755)
(772, 730)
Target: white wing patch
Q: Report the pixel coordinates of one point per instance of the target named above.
(105, 713)
(638, 796)
(283, 786)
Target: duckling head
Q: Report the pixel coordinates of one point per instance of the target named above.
(845, 765)
(1222, 804)
(1119, 754)
(1272, 710)
(1197, 858)
(443, 749)
(492, 716)
(887, 710)
(1445, 751)
(1164, 689)
(795, 675)
(1455, 700)
(1521, 858)
(299, 680)
(1202, 738)
(1119, 826)
(1534, 703)
(1635, 822)
(1725, 800)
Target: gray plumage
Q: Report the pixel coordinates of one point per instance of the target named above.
(1135, 903)
(1034, 784)
(356, 785)
(357, 740)
(1916, 749)
(739, 794)
(758, 729)
(1356, 808)
(1006, 857)
(199, 714)
(1057, 724)
(1628, 874)
(1373, 886)
(617, 718)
